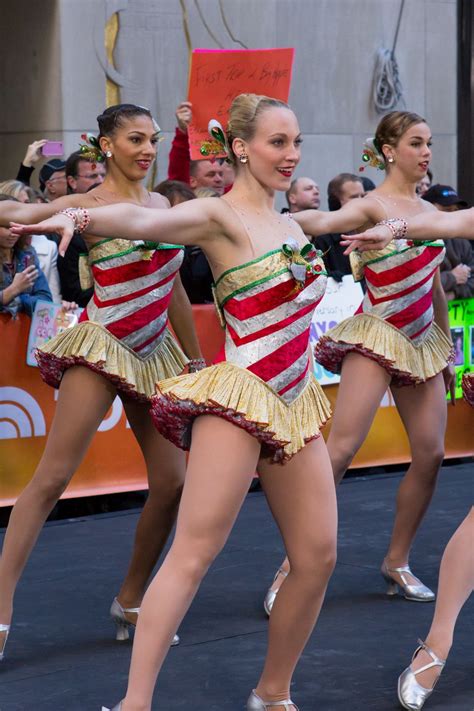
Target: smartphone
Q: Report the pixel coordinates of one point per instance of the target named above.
(53, 148)
(29, 261)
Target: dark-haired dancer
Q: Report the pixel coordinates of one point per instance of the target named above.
(120, 347)
(399, 338)
(259, 406)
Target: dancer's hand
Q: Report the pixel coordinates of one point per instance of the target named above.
(449, 376)
(375, 238)
(57, 224)
(69, 305)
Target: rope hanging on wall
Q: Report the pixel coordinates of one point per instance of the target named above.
(388, 90)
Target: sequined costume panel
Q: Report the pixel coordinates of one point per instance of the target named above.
(265, 383)
(122, 332)
(395, 323)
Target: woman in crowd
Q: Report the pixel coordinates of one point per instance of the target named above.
(120, 347)
(422, 227)
(258, 407)
(22, 282)
(399, 338)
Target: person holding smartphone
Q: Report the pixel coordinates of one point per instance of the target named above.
(22, 282)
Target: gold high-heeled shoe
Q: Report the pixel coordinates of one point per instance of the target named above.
(269, 600)
(5, 629)
(415, 593)
(255, 703)
(123, 624)
(411, 694)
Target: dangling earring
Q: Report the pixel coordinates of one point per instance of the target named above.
(108, 154)
(243, 158)
(391, 159)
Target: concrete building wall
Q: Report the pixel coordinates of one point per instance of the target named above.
(53, 68)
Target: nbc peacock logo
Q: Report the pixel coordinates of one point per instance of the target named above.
(20, 415)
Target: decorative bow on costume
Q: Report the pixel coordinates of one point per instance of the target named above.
(300, 260)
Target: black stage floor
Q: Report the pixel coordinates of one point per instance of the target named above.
(62, 655)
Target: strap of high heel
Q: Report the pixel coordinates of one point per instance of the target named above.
(4, 628)
(437, 662)
(280, 571)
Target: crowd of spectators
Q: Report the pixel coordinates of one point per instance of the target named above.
(31, 269)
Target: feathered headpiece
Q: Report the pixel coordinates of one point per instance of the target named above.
(90, 149)
(372, 155)
(219, 145)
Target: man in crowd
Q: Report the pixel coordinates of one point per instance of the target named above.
(303, 194)
(82, 174)
(341, 189)
(206, 174)
(52, 179)
(214, 174)
(457, 268)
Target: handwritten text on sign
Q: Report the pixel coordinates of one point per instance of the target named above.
(218, 76)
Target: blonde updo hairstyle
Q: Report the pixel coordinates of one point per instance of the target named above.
(243, 115)
(392, 127)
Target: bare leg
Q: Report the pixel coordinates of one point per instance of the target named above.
(220, 467)
(299, 493)
(456, 582)
(423, 411)
(166, 466)
(362, 387)
(71, 432)
(354, 413)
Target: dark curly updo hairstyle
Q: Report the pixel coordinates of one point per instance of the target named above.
(114, 116)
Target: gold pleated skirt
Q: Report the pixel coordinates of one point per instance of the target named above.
(468, 388)
(242, 398)
(371, 336)
(91, 345)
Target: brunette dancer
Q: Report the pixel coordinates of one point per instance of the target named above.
(259, 407)
(447, 225)
(399, 338)
(120, 347)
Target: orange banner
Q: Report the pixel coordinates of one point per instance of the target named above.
(114, 462)
(217, 76)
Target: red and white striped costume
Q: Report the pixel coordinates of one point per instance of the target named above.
(122, 332)
(265, 382)
(394, 324)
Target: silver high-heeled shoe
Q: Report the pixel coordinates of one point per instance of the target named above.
(411, 694)
(6, 630)
(255, 703)
(415, 593)
(117, 613)
(269, 600)
(115, 708)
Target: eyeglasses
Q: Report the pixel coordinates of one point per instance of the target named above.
(91, 176)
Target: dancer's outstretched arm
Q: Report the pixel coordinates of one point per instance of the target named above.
(428, 225)
(352, 216)
(193, 222)
(26, 213)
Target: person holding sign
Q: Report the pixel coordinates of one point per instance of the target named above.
(441, 225)
(260, 408)
(121, 346)
(399, 337)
